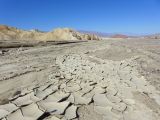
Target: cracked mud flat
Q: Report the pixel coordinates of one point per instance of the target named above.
(97, 80)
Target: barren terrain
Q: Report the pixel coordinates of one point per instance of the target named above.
(12, 33)
(87, 80)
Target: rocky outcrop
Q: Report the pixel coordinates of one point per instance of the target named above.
(10, 33)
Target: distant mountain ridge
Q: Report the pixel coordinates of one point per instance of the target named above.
(123, 35)
(102, 34)
(153, 36)
(110, 35)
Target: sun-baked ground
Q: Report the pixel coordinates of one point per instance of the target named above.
(94, 80)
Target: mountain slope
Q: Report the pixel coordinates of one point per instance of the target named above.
(11, 33)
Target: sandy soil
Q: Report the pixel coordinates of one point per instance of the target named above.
(94, 80)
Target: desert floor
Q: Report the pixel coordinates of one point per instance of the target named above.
(94, 80)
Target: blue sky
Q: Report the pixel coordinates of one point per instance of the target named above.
(124, 16)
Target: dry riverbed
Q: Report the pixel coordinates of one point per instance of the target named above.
(94, 80)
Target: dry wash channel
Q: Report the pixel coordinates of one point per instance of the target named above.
(95, 80)
(110, 89)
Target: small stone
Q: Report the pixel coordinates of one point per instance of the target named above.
(62, 77)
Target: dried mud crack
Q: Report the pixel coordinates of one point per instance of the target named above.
(81, 86)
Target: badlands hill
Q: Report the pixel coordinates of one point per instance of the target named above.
(11, 33)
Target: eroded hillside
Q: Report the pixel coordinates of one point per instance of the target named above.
(11, 33)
